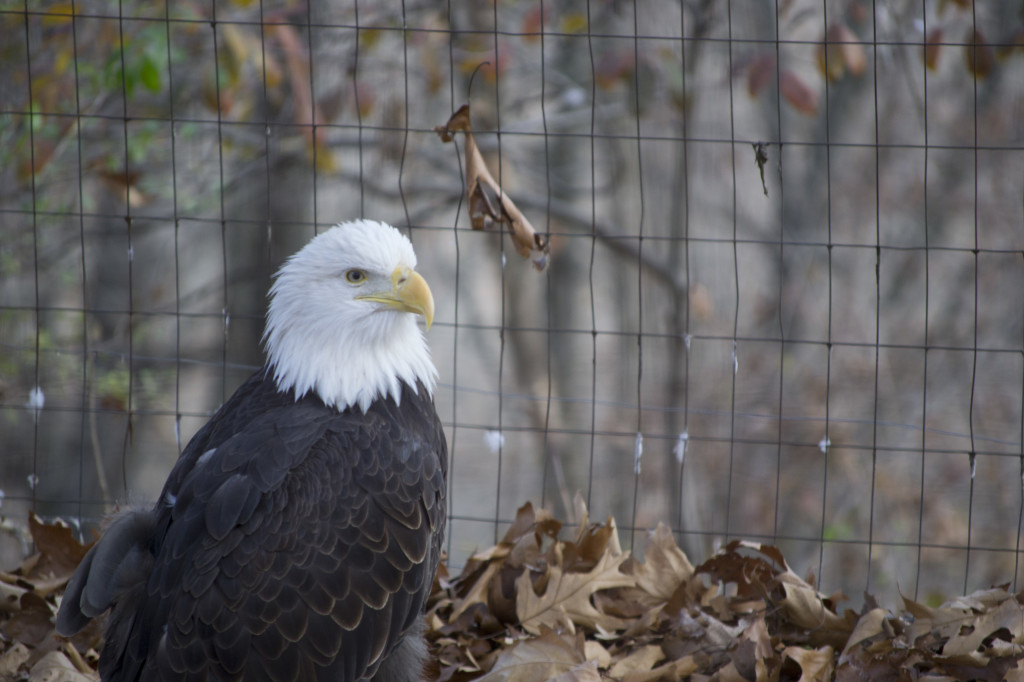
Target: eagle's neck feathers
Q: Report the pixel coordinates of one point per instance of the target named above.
(347, 369)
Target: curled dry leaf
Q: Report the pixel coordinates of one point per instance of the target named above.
(942, 622)
(489, 206)
(815, 664)
(868, 625)
(807, 609)
(664, 566)
(481, 579)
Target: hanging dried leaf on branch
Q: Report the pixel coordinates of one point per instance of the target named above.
(489, 207)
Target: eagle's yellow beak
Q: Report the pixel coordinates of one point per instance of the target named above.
(409, 293)
(413, 294)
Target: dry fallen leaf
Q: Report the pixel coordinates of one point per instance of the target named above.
(679, 669)
(595, 651)
(541, 658)
(566, 600)
(753, 653)
(489, 206)
(56, 667)
(1009, 615)
(12, 660)
(664, 566)
(815, 664)
(581, 672)
(868, 626)
(641, 660)
(59, 553)
(806, 608)
(942, 622)
(753, 575)
(480, 581)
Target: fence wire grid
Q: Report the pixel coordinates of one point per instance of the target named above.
(784, 299)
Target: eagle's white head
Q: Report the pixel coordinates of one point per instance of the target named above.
(342, 317)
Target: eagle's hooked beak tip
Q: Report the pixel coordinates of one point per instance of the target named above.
(412, 291)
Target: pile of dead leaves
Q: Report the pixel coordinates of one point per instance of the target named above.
(29, 595)
(538, 606)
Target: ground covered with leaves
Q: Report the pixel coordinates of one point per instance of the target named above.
(540, 606)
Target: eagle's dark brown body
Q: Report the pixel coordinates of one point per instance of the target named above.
(292, 541)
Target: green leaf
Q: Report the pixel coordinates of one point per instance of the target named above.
(149, 74)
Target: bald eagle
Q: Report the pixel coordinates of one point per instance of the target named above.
(298, 534)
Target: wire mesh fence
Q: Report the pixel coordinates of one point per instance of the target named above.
(784, 290)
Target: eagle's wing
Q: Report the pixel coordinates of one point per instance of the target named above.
(303, 546)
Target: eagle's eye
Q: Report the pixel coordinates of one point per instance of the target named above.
(355, 276)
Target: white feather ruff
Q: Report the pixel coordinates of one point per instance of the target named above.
(321, 338)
